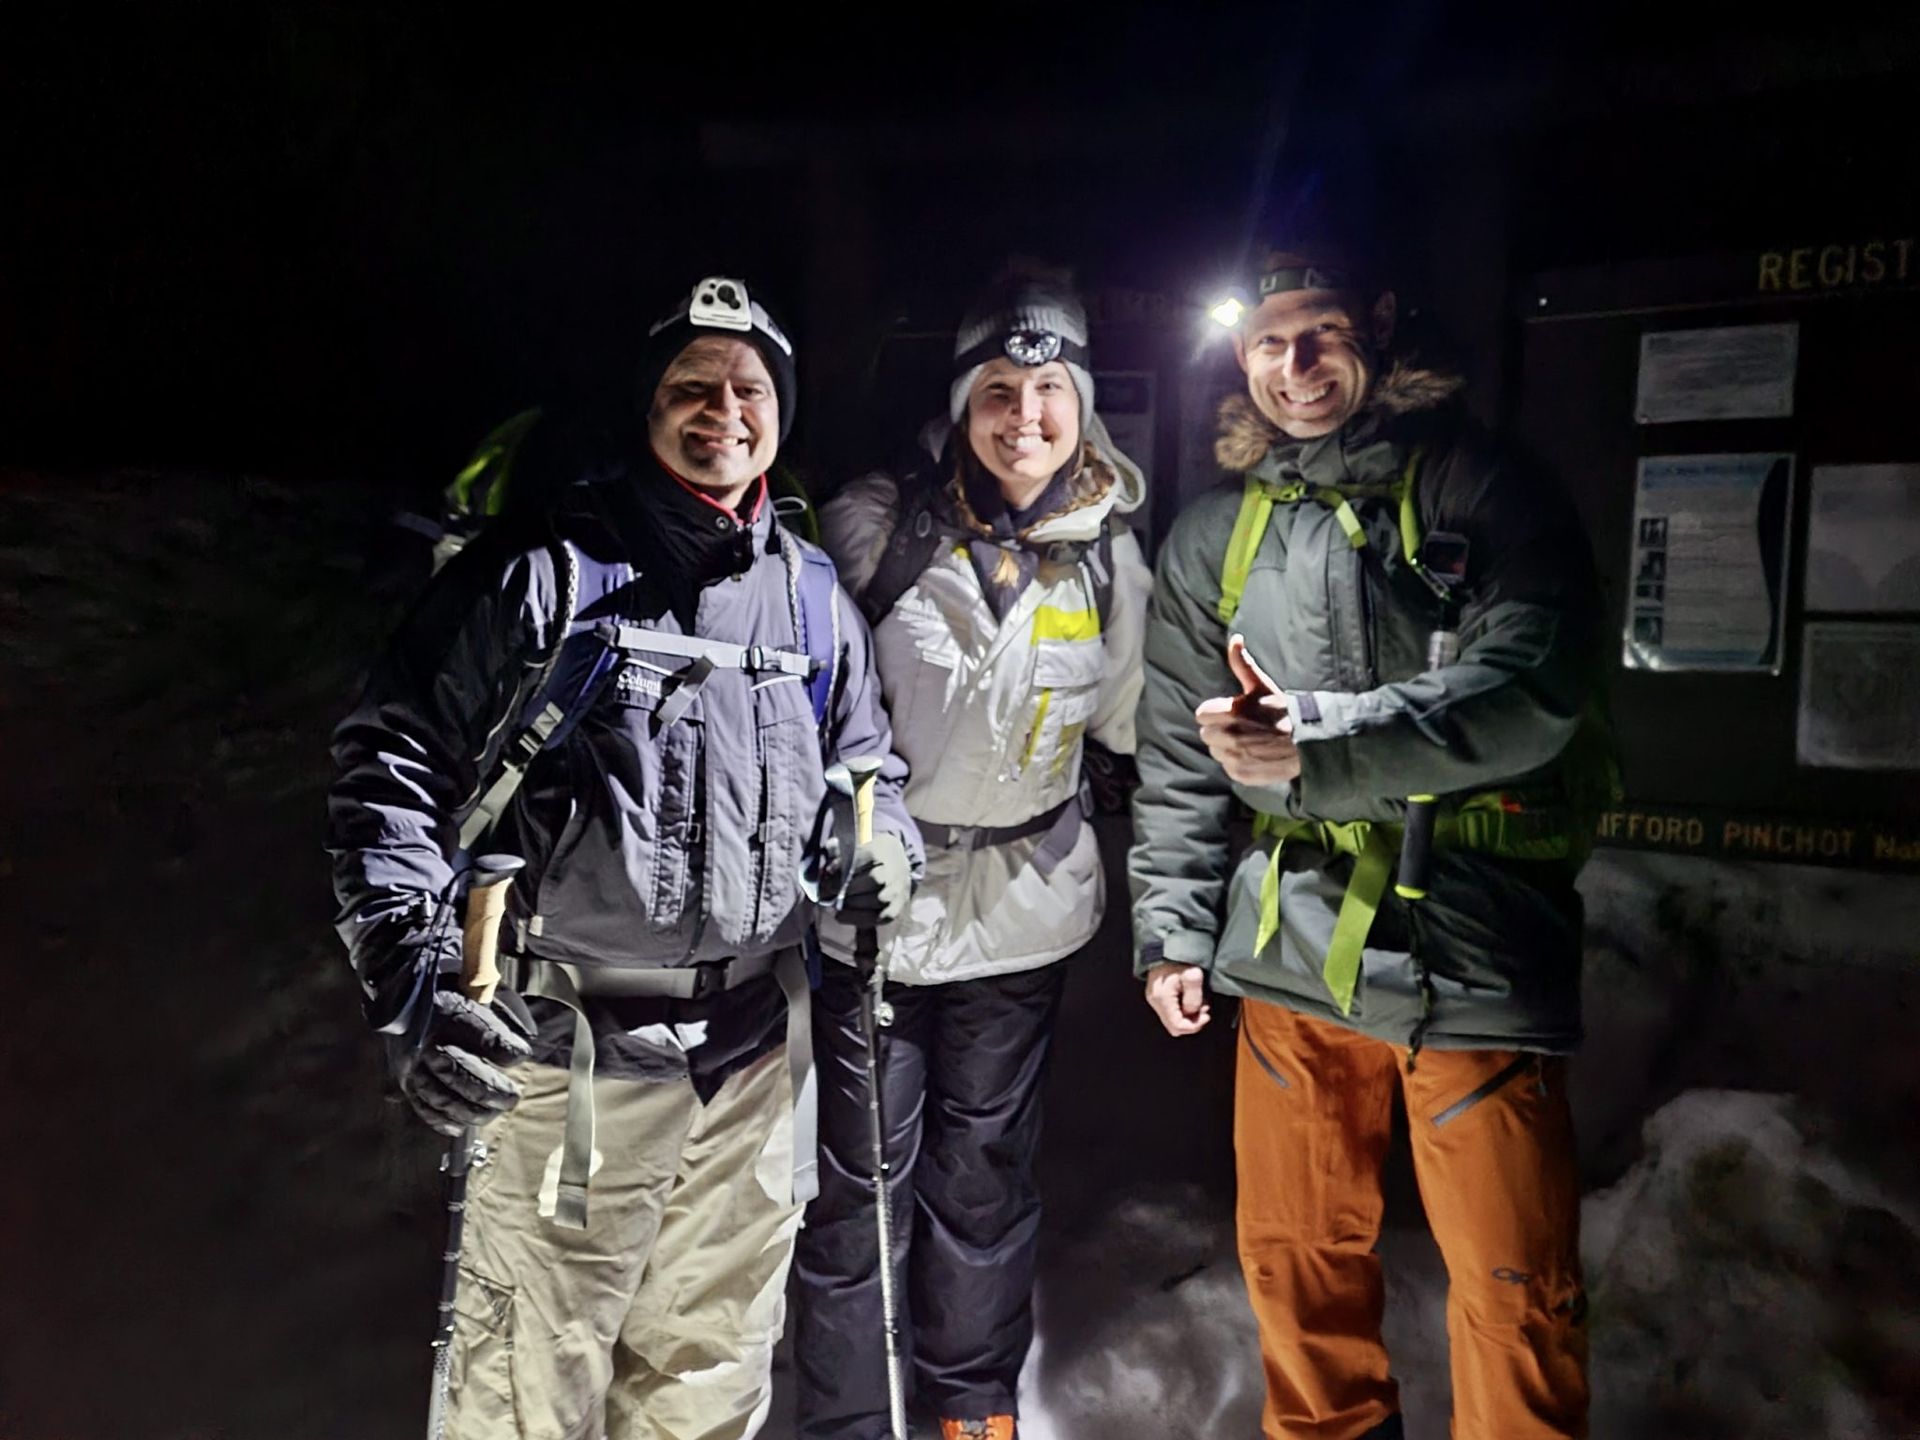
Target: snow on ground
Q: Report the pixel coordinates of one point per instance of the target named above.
(1747, 1280)
(1744, 1280)
(1730, 1234)
(213, 1224)
(1145, 1330)
(1781, 978)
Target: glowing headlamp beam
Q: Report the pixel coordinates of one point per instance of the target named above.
(1228, 312)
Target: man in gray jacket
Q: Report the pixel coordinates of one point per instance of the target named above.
(672, 671)
(1380, 630)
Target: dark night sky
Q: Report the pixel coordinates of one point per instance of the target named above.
(310, 237)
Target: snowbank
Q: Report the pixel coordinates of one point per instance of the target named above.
(1746, 1279)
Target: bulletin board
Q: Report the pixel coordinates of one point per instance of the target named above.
(1741, 435)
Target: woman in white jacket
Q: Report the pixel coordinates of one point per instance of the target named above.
(1007, 598)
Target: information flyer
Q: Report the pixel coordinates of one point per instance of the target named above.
(1733, 372)
(1863, 539)
(1706, 587)
(1859, 694)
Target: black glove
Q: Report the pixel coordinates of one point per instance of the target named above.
(456, 1076)
(880, 883)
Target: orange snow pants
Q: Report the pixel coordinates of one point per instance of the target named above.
(1493, 1152)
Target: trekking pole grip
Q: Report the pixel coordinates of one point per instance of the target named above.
(480, 937)
(1416, 848)
(864, 769)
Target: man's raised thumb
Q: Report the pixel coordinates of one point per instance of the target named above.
(1253, 680)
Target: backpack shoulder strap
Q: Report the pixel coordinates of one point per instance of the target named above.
(811, 581)
(560, 695)
(1099, 562)
(1249, 529)
(910, 547)
(1256, 509)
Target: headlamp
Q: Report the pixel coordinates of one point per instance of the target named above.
(1303, 277)
(1032, 347)
(1227, 312)
(1025, 348)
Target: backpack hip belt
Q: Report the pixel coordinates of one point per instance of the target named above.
(568, 985)
(1493, 823)
(979, 837)
(1059, 823)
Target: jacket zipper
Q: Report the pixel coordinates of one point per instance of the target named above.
(697, 851)
(757, 846)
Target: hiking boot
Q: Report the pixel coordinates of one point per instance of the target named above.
(994, 1427)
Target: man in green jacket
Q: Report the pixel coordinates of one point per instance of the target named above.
(1379, 638)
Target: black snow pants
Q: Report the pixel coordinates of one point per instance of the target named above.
(963, 1064)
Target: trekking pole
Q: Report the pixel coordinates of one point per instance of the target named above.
(479, 977)
(875, 1013)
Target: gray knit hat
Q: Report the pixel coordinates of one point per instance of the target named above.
(1028, 316)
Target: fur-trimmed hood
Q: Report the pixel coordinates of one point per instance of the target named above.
(1408, 388)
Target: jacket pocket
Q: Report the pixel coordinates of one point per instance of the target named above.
(1066, 683)
(1487, 1089)
(787, 748)
(616, 883)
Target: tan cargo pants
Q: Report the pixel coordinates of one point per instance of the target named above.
(658, 1321)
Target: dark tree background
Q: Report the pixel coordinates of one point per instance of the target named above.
(314, 238)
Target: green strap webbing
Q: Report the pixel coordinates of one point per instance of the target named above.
(1373, 850)
(1490, 823)
(1410, 513)
(1365, 889)
(1343, 512)
(491, 462)
(1269, 896)
(1256, 509)
(1249, 528)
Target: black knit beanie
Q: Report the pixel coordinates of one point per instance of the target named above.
(721, 306)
